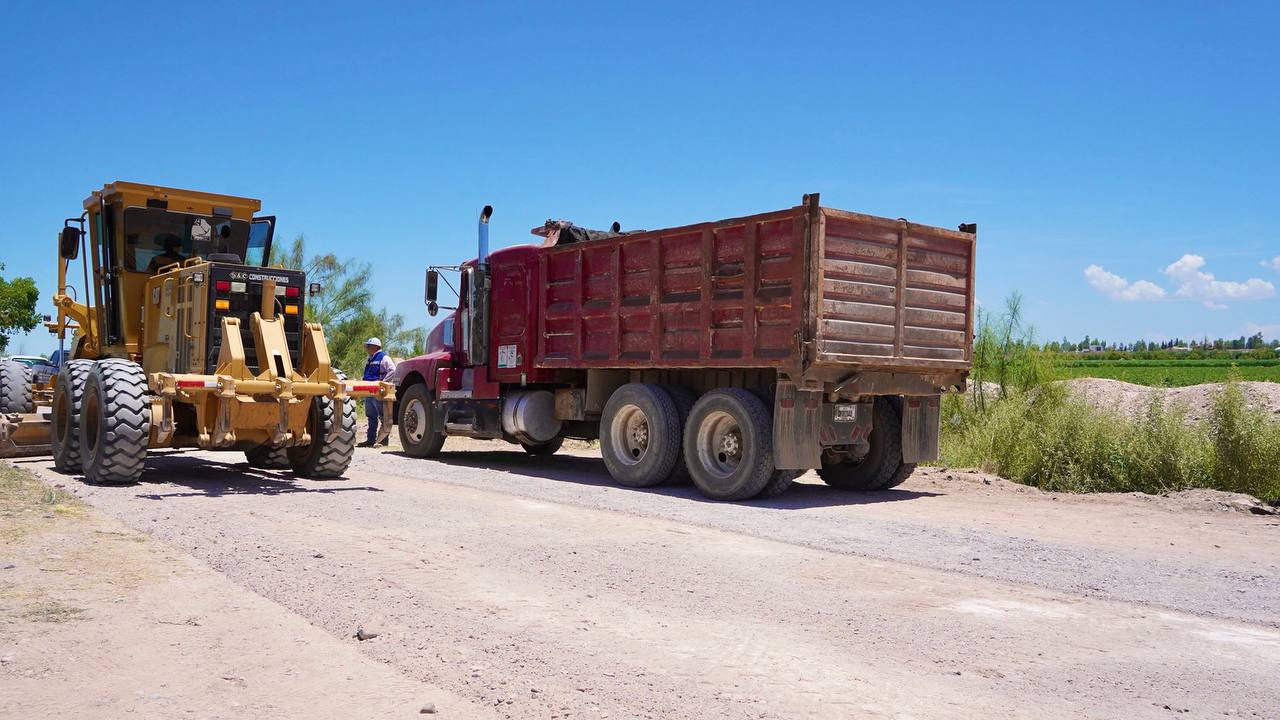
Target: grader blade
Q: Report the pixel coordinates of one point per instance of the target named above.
(24, 435)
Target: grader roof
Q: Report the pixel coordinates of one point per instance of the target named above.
(130, 194)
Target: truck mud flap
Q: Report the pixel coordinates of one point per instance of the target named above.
(796, 420)
(920, 428)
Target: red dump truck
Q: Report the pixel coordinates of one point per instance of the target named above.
(736, 353)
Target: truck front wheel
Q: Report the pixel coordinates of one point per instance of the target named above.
(417, 423)
(878, 469)
(728, 444)
(640, 435)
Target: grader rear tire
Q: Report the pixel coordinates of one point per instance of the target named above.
(268, 458)
(67, 397)
(115, 423)
(323, 458)
(15, 388)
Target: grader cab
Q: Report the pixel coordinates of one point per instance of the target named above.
(182, 336)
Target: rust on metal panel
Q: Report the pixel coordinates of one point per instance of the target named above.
(796, 290)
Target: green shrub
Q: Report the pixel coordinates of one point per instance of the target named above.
(1049, 438)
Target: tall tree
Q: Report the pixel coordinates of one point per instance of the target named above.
(18, 298)
(345, 308)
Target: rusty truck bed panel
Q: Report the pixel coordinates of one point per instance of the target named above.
(751, 292)
(892, 292)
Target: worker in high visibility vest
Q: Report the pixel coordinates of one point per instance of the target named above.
(379, 367)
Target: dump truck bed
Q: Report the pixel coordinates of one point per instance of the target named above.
(788, 289)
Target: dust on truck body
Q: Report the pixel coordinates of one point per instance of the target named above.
(737, 353)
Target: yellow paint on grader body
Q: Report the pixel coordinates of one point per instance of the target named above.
(162, 320)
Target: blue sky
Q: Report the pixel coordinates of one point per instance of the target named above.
(1121, 159)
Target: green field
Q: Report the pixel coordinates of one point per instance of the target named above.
(1172, 373)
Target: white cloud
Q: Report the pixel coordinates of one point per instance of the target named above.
(1273, 263)
(1195, 284)
(1118, 288)
(1190, 282)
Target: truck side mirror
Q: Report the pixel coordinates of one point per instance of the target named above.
(433, 285)
(69, 243)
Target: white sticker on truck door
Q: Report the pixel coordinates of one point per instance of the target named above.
(508, 357)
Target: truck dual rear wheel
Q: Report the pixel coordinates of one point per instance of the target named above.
(115, 422)
(15, 388)
(322, 457)
(728, 445)
(640, 435)
(880, 468)
(418, 434)
(67, 398)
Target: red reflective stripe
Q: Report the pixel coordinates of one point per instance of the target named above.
(365, 387)
(190, 383)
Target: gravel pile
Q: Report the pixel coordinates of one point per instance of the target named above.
(1197, 399)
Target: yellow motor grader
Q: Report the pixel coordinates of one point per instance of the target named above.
(182, 336)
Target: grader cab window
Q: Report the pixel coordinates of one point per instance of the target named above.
(154, 237)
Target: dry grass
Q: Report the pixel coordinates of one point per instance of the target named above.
(25, 501)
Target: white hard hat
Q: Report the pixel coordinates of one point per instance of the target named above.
(373, 341)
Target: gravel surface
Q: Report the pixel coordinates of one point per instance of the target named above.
(537, 588)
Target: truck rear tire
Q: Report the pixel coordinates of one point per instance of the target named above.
(323, 458)
(728, 444)
(268, 458)
(15, 388)
(640, 435)
(416, 421)
(115, 422)
(67, 396)
(543, 449)
(877, 469)
(684, 398)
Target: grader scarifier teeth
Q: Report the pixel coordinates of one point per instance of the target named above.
(275, 403)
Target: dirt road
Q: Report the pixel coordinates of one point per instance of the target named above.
(536, 589)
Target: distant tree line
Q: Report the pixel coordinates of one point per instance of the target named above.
(1205, 348)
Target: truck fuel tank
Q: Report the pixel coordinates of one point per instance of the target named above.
(530, 416)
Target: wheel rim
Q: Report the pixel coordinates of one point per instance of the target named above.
(720, 444)
(89, 418)
(61, 416)
(415, 421)
(629, 435)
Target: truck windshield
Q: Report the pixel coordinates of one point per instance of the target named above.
(154, 237)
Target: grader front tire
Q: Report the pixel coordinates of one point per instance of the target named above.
(115, 423)
(324, 458)
(266, 457)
